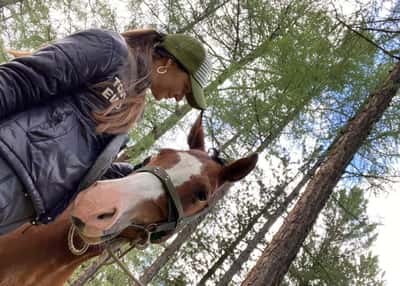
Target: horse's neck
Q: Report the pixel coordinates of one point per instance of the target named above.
(39, 255)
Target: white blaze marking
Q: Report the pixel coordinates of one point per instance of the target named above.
(187, 166)
(133, 190)
(146, 187)
(127, 192)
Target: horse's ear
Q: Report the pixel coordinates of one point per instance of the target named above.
(239, 169)
(196, 135)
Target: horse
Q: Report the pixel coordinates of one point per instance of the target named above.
(130, 207)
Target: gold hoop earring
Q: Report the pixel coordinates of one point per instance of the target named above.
(162, 69)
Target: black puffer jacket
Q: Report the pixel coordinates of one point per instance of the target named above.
(47, 133)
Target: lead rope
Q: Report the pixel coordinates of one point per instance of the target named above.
(74, 250)
(71, 245)
(123, 266)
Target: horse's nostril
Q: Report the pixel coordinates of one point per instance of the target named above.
(77, 222)
(107, 215)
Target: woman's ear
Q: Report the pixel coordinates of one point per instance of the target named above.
(239, 169)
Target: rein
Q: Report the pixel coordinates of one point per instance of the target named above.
(85, 247)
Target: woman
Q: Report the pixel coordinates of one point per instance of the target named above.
(69, 106)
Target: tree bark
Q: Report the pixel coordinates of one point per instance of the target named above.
(229, 251)
(150, 272)
(277, 257)
(271, 219)
(278, 191)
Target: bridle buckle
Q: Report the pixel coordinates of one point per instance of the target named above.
(151, 227)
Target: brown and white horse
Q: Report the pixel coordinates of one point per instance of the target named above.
(40, 255)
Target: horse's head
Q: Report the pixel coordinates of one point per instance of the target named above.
(108, 207)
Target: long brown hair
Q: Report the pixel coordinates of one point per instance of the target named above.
(122, 114)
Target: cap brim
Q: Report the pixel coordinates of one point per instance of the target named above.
(196, 99)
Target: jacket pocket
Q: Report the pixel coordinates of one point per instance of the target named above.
(60, 123)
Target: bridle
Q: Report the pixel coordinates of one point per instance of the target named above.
(154, 231)
(176, 217)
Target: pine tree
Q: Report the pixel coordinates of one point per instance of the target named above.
(337, 252)
(277, 257)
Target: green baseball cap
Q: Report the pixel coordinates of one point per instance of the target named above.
(192, 55)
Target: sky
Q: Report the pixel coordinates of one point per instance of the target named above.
(386, 210)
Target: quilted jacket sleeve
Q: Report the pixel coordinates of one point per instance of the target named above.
(69, 64)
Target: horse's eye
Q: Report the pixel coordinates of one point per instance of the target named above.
(201, 193)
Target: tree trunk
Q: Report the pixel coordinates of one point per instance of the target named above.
(230, 250)
(278, 191)
(150, 272)
(271, 219)
(277, 257)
